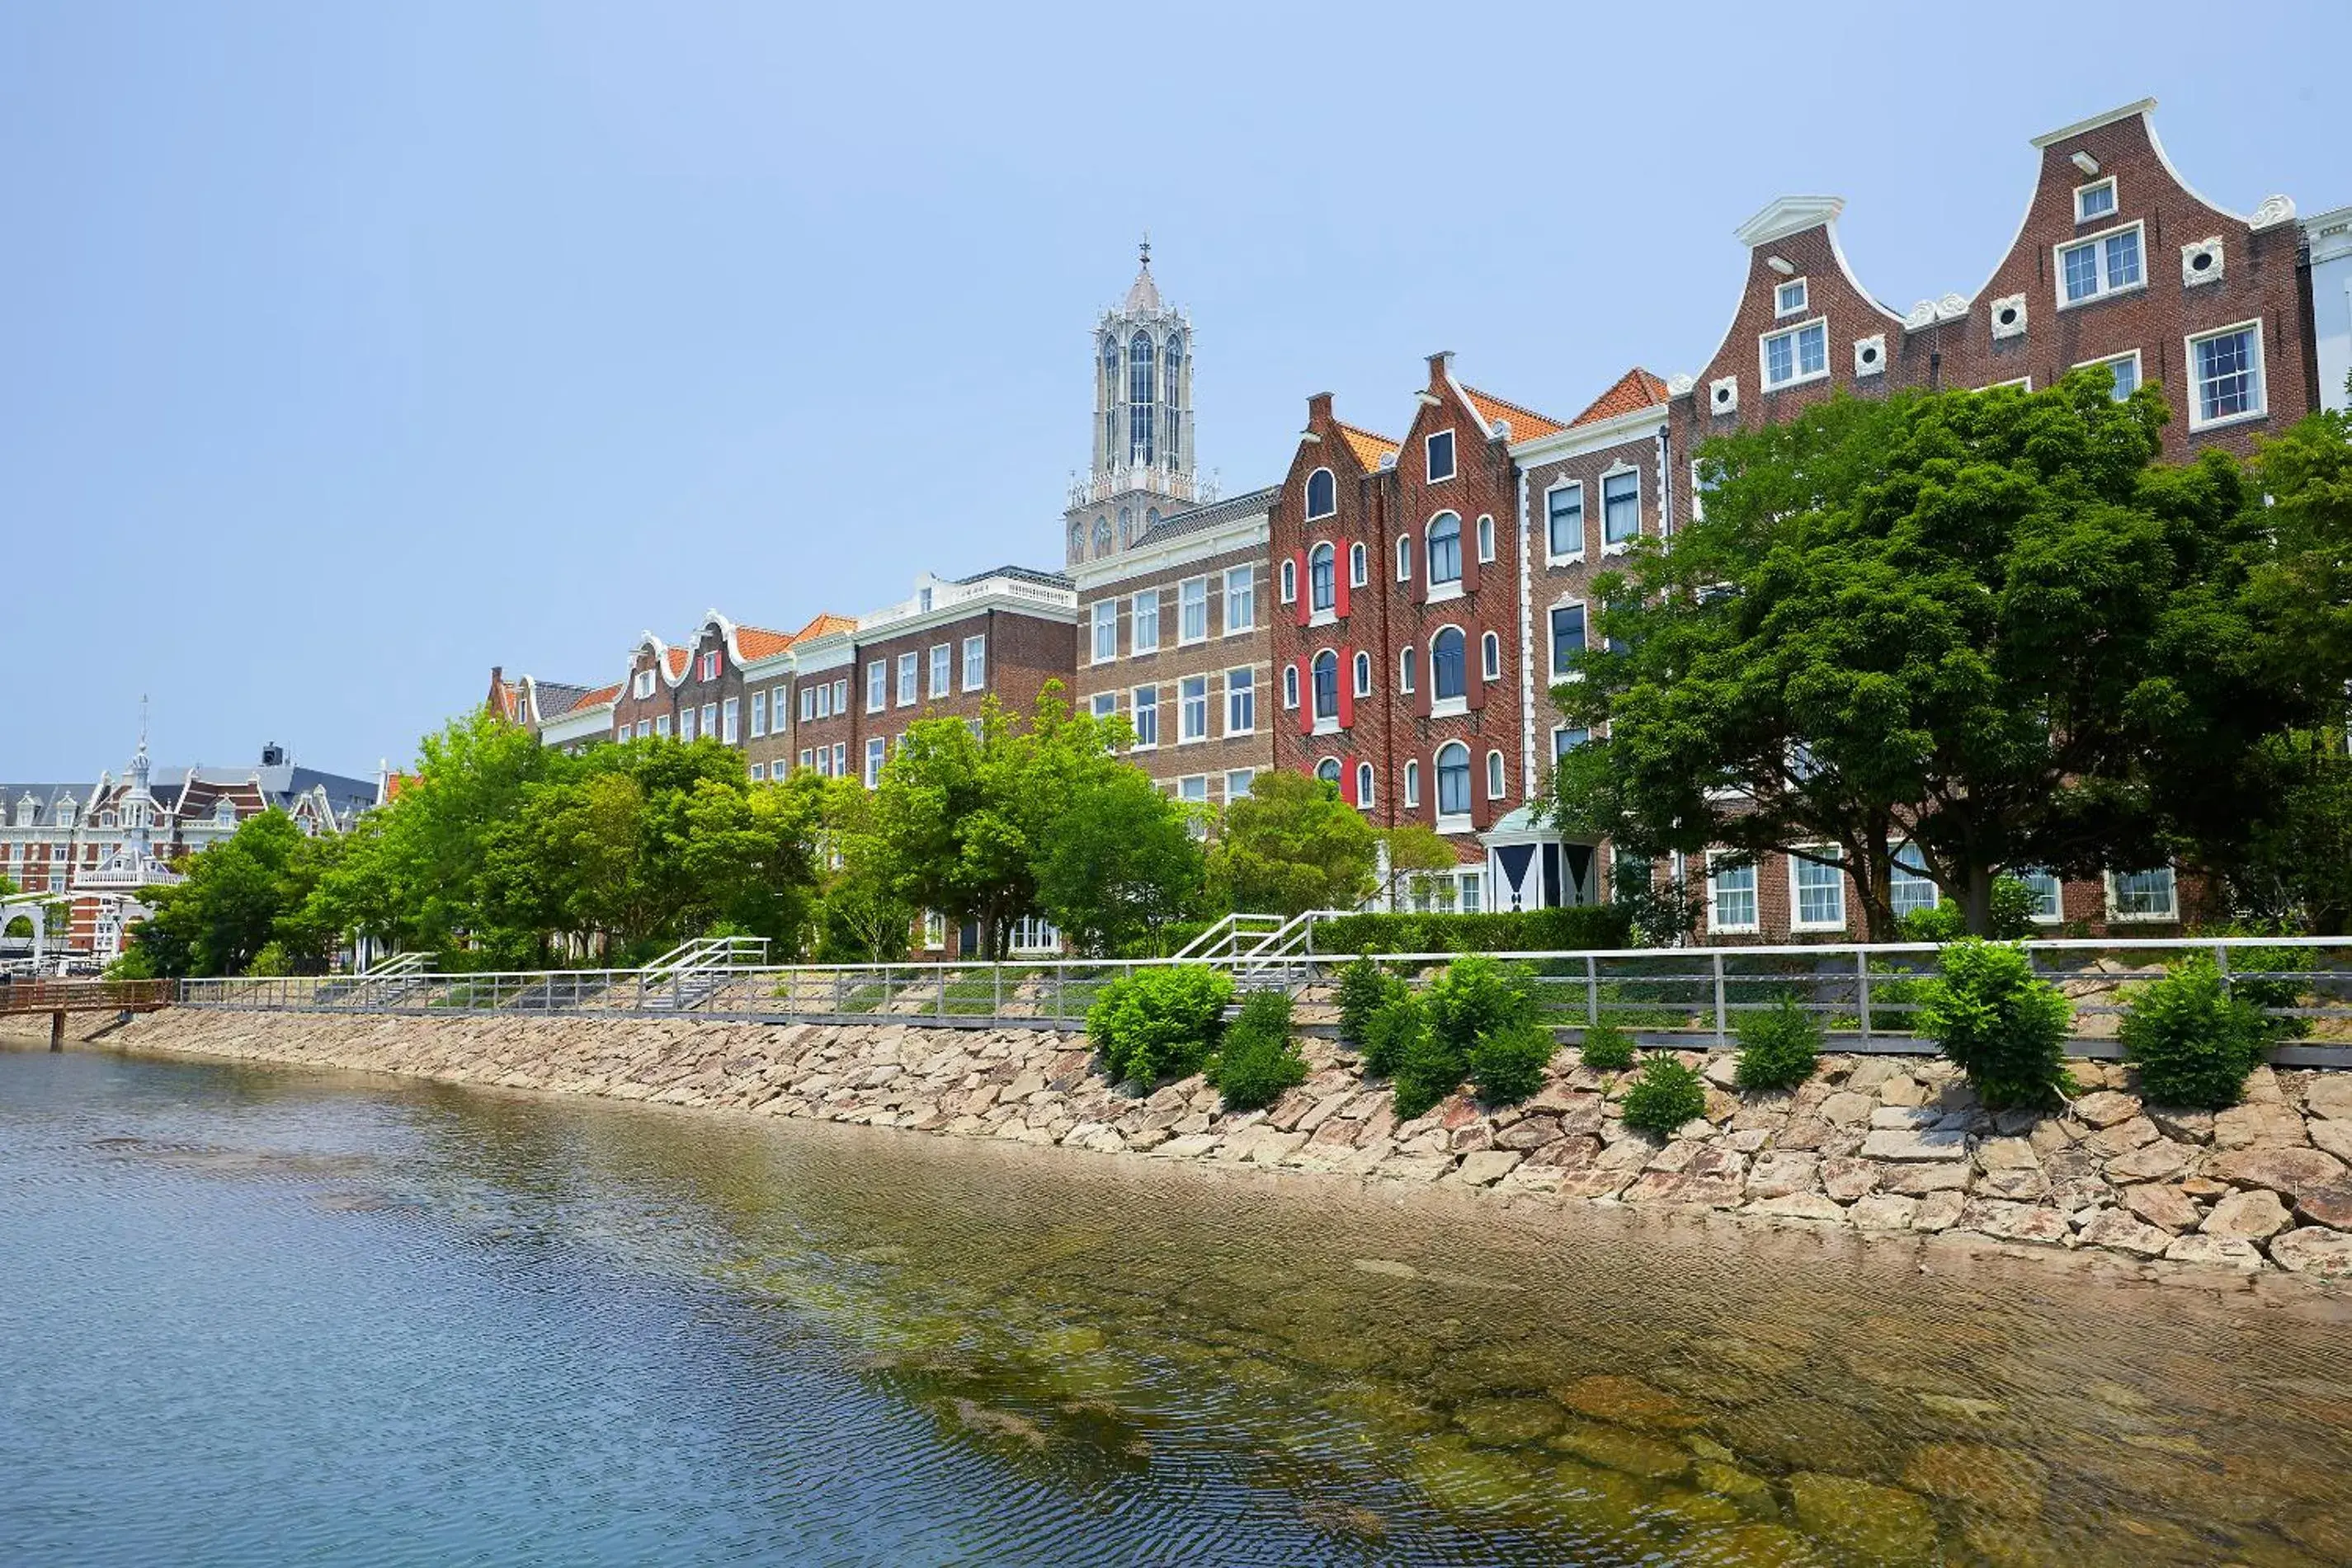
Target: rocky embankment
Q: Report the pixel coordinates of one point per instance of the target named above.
(1874, 1143)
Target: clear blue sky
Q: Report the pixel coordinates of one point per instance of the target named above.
(347, 350)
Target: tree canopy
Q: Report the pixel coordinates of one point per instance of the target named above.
(1989, 625)
(1290, 845)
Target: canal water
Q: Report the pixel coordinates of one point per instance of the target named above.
(253, 1316)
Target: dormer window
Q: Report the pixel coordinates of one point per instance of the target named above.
(1789, 299)
(2102, 265)
(711, 665)
(1797, 354)
(1322, 494)
(2094, 201)
(1441, 457)
(224, 812)
(645, 687)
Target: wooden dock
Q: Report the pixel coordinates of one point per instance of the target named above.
(59, 998)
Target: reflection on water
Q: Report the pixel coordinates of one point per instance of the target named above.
(269, 1316)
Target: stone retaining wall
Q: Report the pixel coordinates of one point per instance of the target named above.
(1872, 1143)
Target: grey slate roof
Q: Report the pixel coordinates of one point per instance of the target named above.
(1025, 573)
(556, 697)
(1216, 514)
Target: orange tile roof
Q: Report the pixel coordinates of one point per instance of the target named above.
(601, 697)
(823, 625)
(677, 659)
(758, 642)
(1368, 448)
(1525, 423)
(1636, 388)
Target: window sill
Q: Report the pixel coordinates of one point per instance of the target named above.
(1323, 618)
(1560, 560)
(1439, 592)
(2100, 298)
(1449, 707)
(1239, 631)
(1562, 678)
(2198, 427)
(1140, 653)
(1794, 382)
(1461, 824)
(1815, 926)
(1192, 642)
(1617, 547)
(1733, 930)
(1193, 740)
(2115, 917)
(1327, 727)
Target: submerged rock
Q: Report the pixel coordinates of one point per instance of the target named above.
(1877, 1524)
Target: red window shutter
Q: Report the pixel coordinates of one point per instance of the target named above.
(1482, 810)
(1341, 566)
(1425, 683)
(1474, 672)
(1347, 690)
(1305, 698)
(1347, 766)
(1469, 556)
(1305, 589)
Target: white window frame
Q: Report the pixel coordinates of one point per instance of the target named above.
(1248, 777)
(1358, 565)
(1490, 657)
(1246, 576)
(2105, 290)
(1899, 875)
(661, 728)
(1191, 594)
(686, 725)
(976, 661)
(1138, 709)
(1185, 698)
(1801, 868)
(1135, 623)
(1560, 732)
(1800, 376)
(1325, 723)
(1453, 821)
(841, 696)
(2130, 356)
(1290, 688)
(1557, 557)
(942, 670)
(730, 716)
(1413, 784)
(1620, 471)
(1307, 494)
(2262, 408)
(1366, 782)
(1429, 456)
(840, 760)
(2117, 914)
(1106, 620)
(910, 678)
(1360, 673)
(1552, 639)
(1245, 697)
(759, 714)
(1103, 705)
(1782, 307)
(1289, 594)
(645, 685)
(1716, 865)
(1406, 673)
(877, 753)
(711, 720)
(1404, 558)
(1486, 538)
(1498, 777)
(1322, 614)
(2027, 874)
(877, 685)
(2114, 202)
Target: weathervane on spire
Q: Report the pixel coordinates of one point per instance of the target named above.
(1147, 247)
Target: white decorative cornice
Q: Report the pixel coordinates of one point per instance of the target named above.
(1786, 216)
(2082, 127)
(2273, 211)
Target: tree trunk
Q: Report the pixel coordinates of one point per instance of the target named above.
(1976, 900)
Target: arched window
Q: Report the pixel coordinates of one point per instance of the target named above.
(1327, 770)
(1412, 783)
(1102, 535)
(1486, 538)
(1111, 399)
(1404, 669)
(1357, 572)
(1363, 674)
(1321, 581)
(1494, 780)
(1290, 685)
(1452, 779)
(1290, 582)
(1447, 679)
(1327, 685)
(1364, 785)
(1322, 494)
(1404, 558)
(1150, 520)
(1490, 656)
(1445, 548)
(1173, 381)
(1126, 527)
(1138, 398)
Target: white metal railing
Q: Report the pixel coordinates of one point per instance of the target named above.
(1864, 997)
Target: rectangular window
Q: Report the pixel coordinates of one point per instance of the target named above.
(935, 931)
(1798, 354)
(644, 730)
(1192, 708)
(1911, 887)
(1820, 893)
(759, 714)
(2047, 907)
(841, 695)
(686, 726)
(1473, 892)
(1238, 782)
(824, 701)
(620, 732)
(875, 751)
(1106, 614)
(2125, 371)
(730, 712)
(1441, 455)
(1620, 507)
(711, 720)
(758, 772)
(2096, 201)
(808, 757)
(975, 662)
(942, 668)
(661, 724)
(1241, 702)
(1567, 638)
(1789, 299)
(2225, 371)
(877, 685)
(1105, 703)
(2102, 265)
(1144, 636)
(840, 760)
(1731, 898)
(1192, 610)
(1241, 599)
(2143, 894)
(1564, 517)
(1565, 740)
(910, 678)
(1147, 716)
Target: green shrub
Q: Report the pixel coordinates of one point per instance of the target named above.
(2013, 917)
(1778, 1049)
(2003, 1027)
(1394, 1025)
(1607, 1048)
(1570, 929)
(1507, 1064)
(1364, 988)
(1159, 1022)
(1477, 996)
(2193, 1041)
(1257, 1058)
(1428, 1071)
(1664, 1097)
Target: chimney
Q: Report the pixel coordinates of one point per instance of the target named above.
(1319, 408)
(1441, 364)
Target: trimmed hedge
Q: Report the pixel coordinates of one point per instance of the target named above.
(1585, 926)
(1158, 1023)
(1258, 1059)
(2193, 1041)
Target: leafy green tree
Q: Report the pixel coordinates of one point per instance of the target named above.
(1291, 846)
(960, 813)
(2290, 865)
(861, 919)
(1122, 860)
(1984, 623)
(246, 894)
(1414, 849)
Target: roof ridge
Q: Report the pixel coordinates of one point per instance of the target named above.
(1619, 396)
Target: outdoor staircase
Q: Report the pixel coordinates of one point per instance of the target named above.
(388, 984)
(690, 973)
(1260, 950)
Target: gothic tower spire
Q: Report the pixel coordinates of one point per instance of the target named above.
(1142, 466)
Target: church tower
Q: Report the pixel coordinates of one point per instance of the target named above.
(1143, 467)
